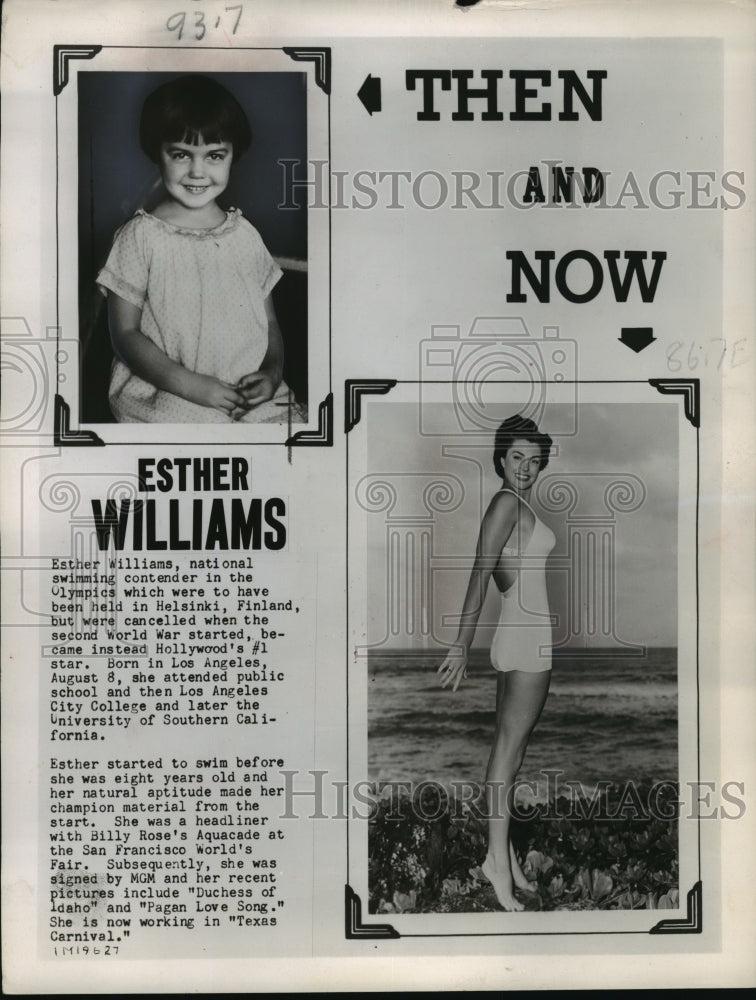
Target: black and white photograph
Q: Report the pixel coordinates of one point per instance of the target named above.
(191, 270)
(172, 171)
(377, 495)
(524, 678)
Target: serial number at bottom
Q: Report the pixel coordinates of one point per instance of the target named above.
(79, 950)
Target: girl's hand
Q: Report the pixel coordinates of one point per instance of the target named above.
(206, 390)
(454, 668)
(257, 387)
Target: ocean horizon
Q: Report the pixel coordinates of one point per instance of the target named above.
(608, 717)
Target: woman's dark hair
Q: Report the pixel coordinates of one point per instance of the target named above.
(519, 428)
(191, 108)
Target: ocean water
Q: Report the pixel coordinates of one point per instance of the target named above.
(606, 718)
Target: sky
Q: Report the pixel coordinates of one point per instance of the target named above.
(635, 443)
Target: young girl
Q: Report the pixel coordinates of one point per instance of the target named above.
(189, 285)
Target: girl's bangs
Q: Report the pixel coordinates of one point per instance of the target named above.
(197, 134)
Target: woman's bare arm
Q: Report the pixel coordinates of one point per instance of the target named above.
(497, 525)
(145, 359)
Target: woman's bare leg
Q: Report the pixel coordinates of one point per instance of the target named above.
(518, 876)
(520, 697)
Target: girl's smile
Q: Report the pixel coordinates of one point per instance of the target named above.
(194, 176)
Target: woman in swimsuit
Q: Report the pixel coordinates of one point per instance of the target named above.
(513, 546)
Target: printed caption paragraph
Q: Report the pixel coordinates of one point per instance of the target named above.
(185, 652)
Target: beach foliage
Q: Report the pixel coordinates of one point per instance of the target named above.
(615, 851)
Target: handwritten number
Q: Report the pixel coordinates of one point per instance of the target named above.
(717, 355)
(176, 22)
(723, 342)
(236, 7)
(673, 363)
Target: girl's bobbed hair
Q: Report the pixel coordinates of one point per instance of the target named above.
(191, 108)
(519, 428)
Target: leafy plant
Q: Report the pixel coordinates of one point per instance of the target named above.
(425, 854)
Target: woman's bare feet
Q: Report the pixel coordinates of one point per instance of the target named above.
(517, 873)
(501, 880)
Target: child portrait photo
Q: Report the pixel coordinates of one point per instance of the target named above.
(192, 277)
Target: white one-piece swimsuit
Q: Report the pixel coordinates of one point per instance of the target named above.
(523, 635)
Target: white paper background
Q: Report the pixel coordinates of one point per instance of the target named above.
(670, 103)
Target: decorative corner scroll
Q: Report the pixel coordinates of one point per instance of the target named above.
(61, 55)
(354, 929)
(692, 923)
(324, 434)
(354, 389)
(322, 60)
(63, 435)
(689, 388)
